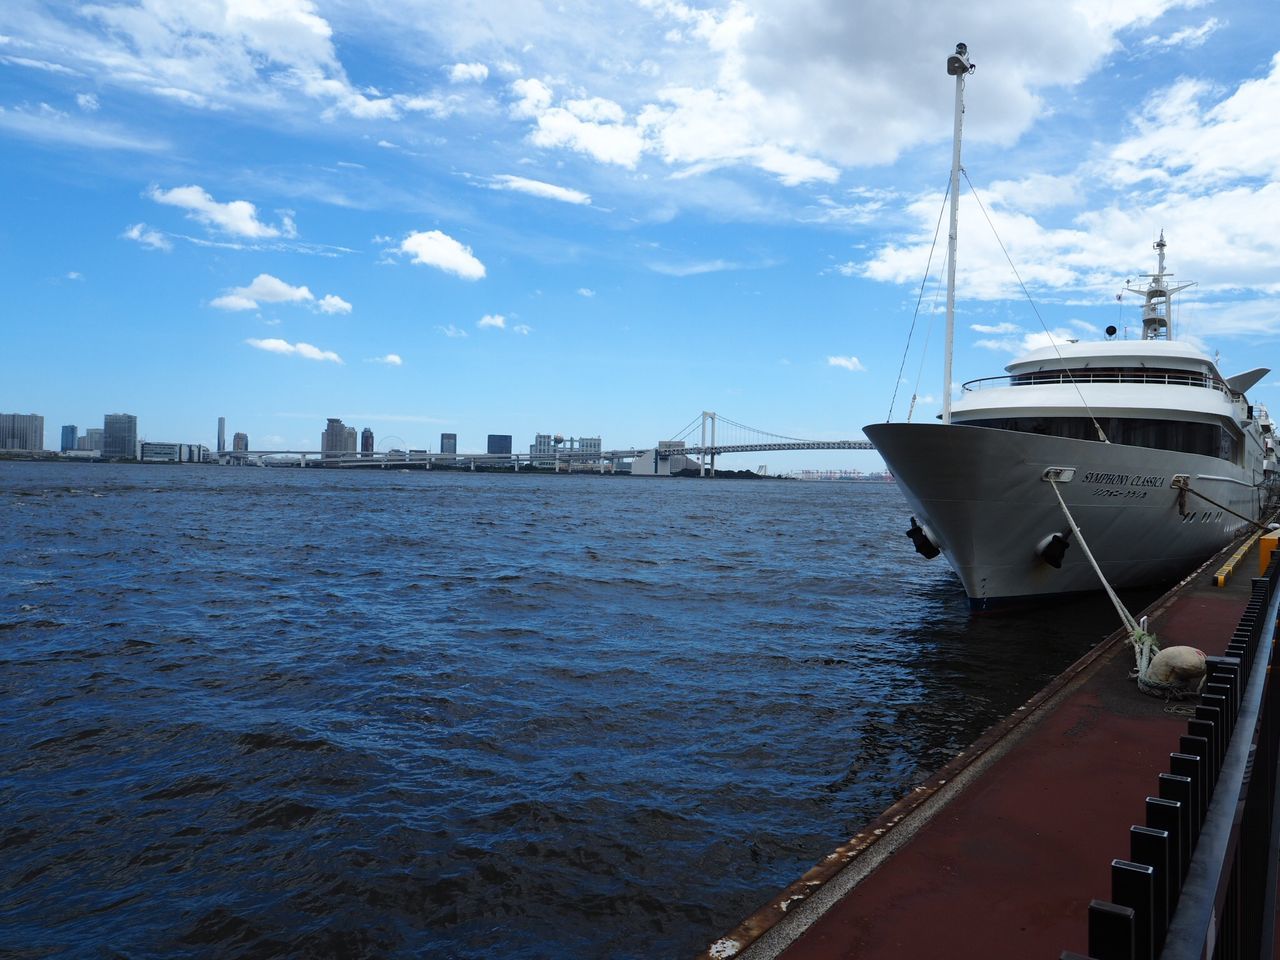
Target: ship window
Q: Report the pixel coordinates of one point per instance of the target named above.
(1205, 439)
(1182, 378)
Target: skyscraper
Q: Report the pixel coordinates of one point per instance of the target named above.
(120, 436)
(68, 437)
(499, 443)
(222, 434)
(334, 439)
(448, 443)
(349, 441)
(240, 443)
(92, 439)
(366, 442)
(21, 431)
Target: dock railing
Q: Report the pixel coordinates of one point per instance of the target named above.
(1200, 877)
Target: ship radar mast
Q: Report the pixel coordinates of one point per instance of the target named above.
(1156, 315)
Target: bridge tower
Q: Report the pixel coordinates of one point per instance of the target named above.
(702, 466)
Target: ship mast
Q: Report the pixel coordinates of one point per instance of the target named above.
(958, 66)
(1157, 317)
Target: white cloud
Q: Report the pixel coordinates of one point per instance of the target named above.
(848, 363)
(236, 217)
(538, 188)
(523, 329)
(74, 275)
(494, 321)
(468, 73)
(1189, 37)
(45, 65)
(592, 127)
(47, 124)
(1188, 138)
(264, 289)
(299, 349)
(233, 301)
(268, 289)
(391, 360)
(693, 269)
(1199, 162)
(995, 328)
(87, 102)
(452, 331)
(147, 237)
(330, 303)
(261, 56)
(586, 292)
(1019, 342)
(420, 104)
(435, 249)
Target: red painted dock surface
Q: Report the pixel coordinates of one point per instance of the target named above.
(1006, 864)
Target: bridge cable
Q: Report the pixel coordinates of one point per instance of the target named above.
(688, 428)
(757, 430)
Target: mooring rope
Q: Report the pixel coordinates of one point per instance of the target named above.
(1144, 643)
(1184, 485)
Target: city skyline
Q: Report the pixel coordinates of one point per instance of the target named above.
(424, 221)
(494, 443)
(69, 437)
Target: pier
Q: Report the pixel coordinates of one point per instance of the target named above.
(1093, 822)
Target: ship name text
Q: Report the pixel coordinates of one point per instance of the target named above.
(1123, 480)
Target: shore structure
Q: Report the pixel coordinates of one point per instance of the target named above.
(1093, 822)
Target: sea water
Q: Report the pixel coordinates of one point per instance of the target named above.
(371, 713)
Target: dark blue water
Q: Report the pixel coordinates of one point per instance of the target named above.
(261, 713)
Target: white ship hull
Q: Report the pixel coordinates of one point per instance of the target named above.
(981, 494)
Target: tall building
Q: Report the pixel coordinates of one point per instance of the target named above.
(240, 443)
(68, 437)
(499, 443)
(543, 450)
(349, 441)
(92, 439)
(366, 442)
(333, 442)
(21, 431)
(222, 434)
(120, 436)
(448, 443)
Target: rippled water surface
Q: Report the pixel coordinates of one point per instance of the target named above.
(252, 713)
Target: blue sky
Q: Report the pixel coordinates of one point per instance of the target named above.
(600, 219)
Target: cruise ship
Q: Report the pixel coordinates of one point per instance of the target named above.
(1140, 448)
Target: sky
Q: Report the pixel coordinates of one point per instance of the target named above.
(602, 219)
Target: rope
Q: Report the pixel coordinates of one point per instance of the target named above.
(1036, 310)
(1144, 643)
(915, 316)
(1185, 485)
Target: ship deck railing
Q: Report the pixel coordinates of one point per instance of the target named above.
(1043, 377)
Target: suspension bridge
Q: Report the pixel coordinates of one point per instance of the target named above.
(705, 437)
(712, 442)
